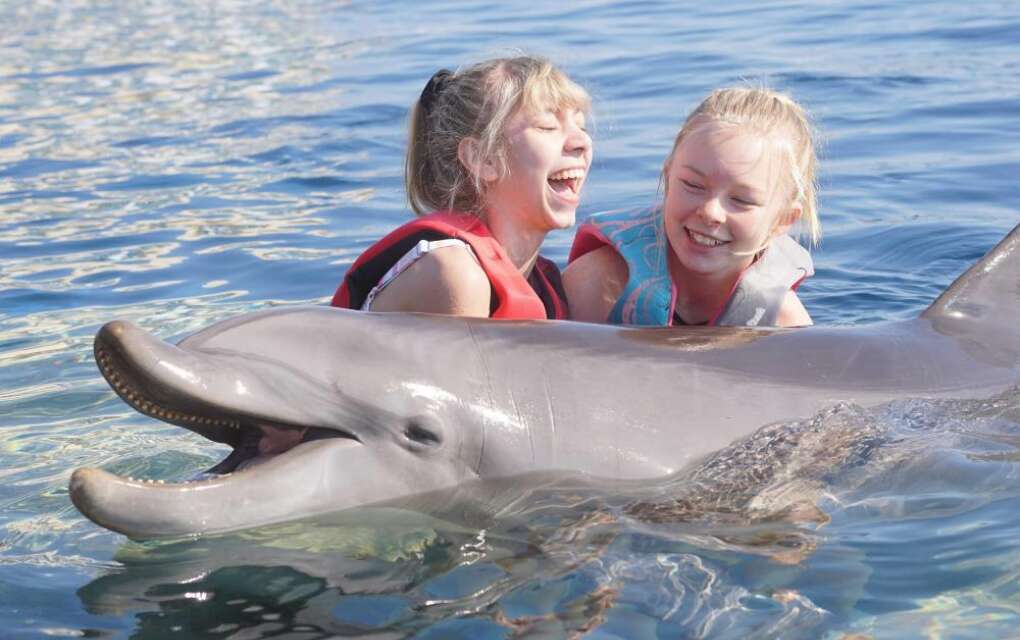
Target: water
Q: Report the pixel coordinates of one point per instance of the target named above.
(180, 163)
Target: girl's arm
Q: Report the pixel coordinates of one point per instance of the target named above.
(448, 280)
(593, 284)
(792, 312)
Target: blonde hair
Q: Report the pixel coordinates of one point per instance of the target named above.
(773, 115)
(475, 102)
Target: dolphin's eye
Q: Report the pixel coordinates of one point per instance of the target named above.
(419, 429)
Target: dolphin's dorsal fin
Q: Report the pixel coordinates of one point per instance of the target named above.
(989, 291)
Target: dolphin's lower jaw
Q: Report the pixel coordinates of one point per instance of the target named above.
(298, 483)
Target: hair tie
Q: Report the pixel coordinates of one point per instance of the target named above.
(433, 88)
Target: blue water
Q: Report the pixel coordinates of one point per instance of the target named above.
(179, 163)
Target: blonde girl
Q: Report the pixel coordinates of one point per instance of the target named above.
(716, 251)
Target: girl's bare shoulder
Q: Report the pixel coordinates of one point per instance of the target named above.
(448, 280)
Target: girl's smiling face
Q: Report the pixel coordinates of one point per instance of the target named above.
(725, 199)
(548, 154)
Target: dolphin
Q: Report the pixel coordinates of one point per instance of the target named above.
(382, 407)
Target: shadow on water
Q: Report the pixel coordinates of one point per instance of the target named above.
(827, 525)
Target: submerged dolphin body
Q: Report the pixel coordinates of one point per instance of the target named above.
(403, 405)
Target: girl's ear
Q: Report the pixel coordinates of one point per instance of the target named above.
(786, 220)
(470, 155)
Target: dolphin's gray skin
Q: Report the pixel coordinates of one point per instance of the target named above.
(401, 405)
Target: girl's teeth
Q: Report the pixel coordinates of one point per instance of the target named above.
(703, 240)
(567, 174)
(566, 180)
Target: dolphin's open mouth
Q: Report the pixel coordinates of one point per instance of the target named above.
(253, 439)
(301, 445)
(282, 464)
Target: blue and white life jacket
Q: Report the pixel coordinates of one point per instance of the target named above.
(649, 298)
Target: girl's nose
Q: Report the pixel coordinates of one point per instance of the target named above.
(711, 210)
(577, 138)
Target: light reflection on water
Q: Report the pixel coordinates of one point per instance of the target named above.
(176, 164)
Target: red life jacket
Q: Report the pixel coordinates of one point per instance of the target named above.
(516, 300)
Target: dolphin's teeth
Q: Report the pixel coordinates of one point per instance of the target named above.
(137, 399)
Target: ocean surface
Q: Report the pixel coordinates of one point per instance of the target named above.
(178, 163)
